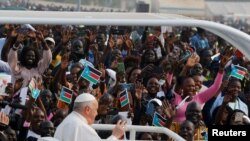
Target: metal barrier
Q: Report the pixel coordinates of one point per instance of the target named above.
(134, 128)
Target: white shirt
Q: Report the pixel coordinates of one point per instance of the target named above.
(33, 134)
(75, 128)
(238, 104)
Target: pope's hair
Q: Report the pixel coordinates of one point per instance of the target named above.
(79, 106)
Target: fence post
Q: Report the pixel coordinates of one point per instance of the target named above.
(132, 134)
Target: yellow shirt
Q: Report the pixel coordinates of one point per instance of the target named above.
(197, 136)
(56, 61)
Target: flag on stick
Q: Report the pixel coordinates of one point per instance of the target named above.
(91, 74)
(66, 95)
(238, 72)
(35, 92)
(158, 120)
(124, 99)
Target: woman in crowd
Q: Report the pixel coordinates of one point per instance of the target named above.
(31, 65)
(188, 95)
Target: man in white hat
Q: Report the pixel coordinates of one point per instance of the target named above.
(50, 42)
(77, 125)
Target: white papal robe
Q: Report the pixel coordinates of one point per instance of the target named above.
(75, 128)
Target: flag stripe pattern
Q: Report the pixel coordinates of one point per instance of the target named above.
(124, 100)
(158, 120)
(91, 74)
(34, 91)
(66, 95)
(238, 73)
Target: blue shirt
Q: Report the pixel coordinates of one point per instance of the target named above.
(199, 43)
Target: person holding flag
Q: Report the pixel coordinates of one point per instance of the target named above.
(238, 72)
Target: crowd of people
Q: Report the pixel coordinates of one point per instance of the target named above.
(65, 78)
(53, 6)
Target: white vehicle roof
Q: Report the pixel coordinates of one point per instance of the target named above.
(234, 36)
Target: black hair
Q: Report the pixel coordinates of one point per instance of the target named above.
(232, 80)
(77, 65)
(24, 52)
(140, 134)
(200, 30)
(228, 108)
(143, 57)
(105, 98)
(181, 79)
(232, 113)
(45, 91)
(131, 71)
(147, 78)
(202, 51)
(131, 61)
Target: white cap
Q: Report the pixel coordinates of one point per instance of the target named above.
(84, 97)
(156, 100)
(194, 29)
(47, 139)
(112, 74)
(50, 39)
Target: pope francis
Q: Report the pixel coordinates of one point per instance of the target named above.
(77, 125)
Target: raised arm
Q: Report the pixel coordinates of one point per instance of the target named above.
(211, 91)
(43, 64)
(13, 57)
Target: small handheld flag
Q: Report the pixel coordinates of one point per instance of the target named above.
(158, 120)
(35, 92)
(91, 74)
(238, 72)
(124, 99)
(66, 95)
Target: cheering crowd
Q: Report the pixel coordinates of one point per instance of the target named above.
(184, 79)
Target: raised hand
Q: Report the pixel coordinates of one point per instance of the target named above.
(111, 43)
(168, 109)
(223, 60)
(225, 57)
(120, 40)
(192, 60)
(149, 68)
(66, 35)
(65, 61)
(31, 34)
(138, 90)
(4, 119)
(119, 129)
(11, 31)
(102, 69)
(94, 48)
(39, 36)
(20, 39)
